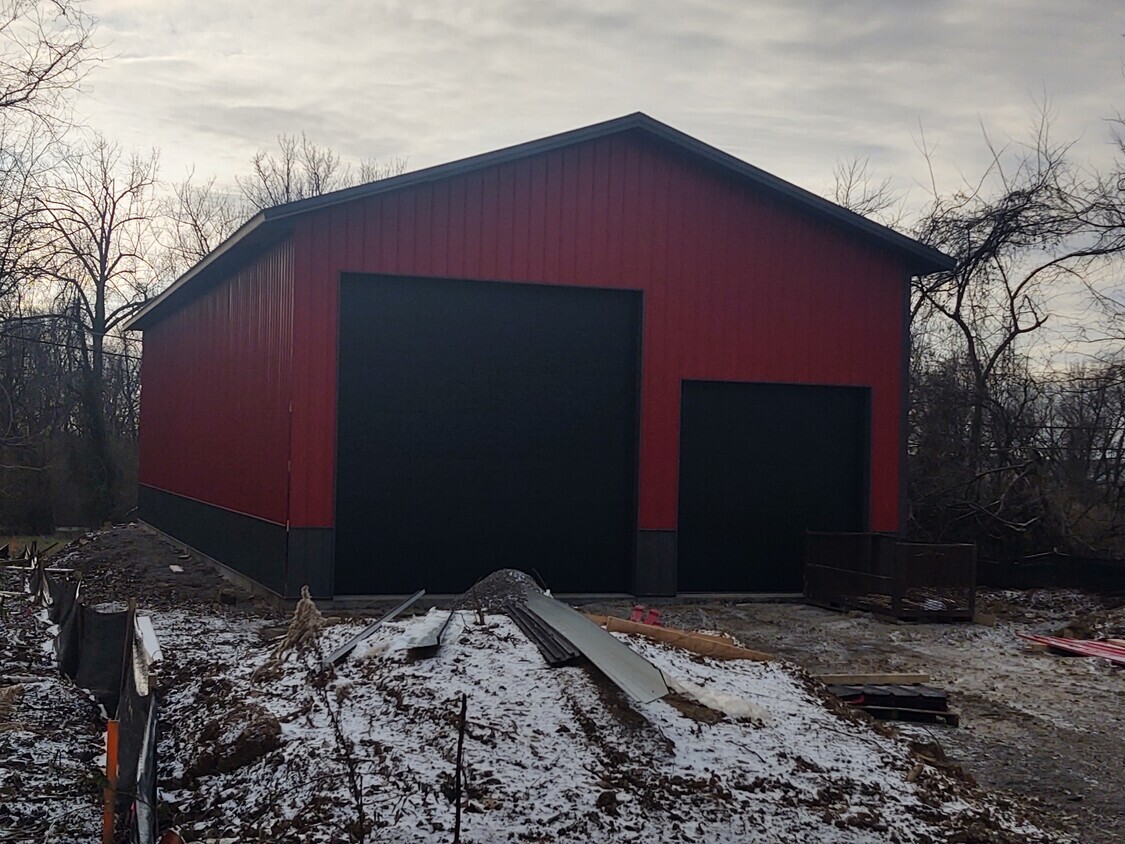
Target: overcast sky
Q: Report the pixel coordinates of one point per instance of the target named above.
(789, 85)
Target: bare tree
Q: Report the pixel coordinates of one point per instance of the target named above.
(23, 158)
(45, 50)
(373, 170)
(1087, 441)
(99, 215)
(856, 188)
(301, 168)
(1017, 456)
(197, 218)
(1018, 234)
(1106, 219)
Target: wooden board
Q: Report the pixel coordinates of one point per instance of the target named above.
(700, 643)
(902, 713)
(868, 679)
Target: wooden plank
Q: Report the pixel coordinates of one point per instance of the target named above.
(904, 713)
(888, 679)
(700, 643)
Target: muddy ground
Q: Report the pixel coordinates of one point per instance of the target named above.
(51, 732)
(50, 735)
(1033, 725)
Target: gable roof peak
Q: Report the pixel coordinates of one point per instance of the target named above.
(265, 226)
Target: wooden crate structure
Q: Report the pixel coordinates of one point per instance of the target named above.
(879, 573)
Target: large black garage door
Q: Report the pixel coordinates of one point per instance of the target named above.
(760, 464)
(484, 426)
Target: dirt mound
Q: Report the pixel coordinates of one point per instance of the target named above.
(1101, 624)
(499, 590)
(133, 560)
(551, 754)
(243, 734)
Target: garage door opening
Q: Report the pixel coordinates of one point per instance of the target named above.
(761, 464)
(485, 425)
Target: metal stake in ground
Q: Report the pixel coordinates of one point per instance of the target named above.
(457, 772)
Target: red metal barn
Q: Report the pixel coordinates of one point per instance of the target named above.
(616, 356)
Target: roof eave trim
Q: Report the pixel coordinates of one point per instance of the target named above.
(926, 259)
(935, 260)
(220, 252)
(930, 259)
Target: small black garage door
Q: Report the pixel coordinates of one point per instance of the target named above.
(483, 426)
(760, 464)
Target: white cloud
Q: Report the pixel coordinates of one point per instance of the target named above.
(788, 86)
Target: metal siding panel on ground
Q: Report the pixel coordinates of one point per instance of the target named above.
(350, 645)
(555, 648)
(631, 672)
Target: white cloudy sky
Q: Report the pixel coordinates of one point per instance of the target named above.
(789, 85)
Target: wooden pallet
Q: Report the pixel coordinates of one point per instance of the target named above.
(889, 678)
(900, 713)
(898, 701)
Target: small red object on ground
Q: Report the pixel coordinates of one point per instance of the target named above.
(638, 612)
(653, 618)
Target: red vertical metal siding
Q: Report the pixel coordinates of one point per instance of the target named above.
(738, 285)
(215, 392)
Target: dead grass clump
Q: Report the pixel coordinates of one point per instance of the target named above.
(302, 636)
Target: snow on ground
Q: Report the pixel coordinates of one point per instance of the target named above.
(551, 754)
(50, 735)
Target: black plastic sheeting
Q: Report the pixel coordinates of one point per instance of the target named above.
(99, 651)
(136, 750)
(102, 640)
(143, 824)
(64, 595)
(132, 713)
(67, 614)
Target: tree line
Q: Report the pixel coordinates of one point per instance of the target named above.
(1017, 377)
(89, 232)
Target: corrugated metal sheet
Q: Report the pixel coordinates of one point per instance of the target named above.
(632, 673)
(215, 387)
(739, 284)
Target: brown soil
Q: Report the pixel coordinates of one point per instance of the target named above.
(1041, 729)
(1046, 730)
(134, 561)
(245, 732)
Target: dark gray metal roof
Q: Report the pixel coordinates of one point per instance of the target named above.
(272, 223)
